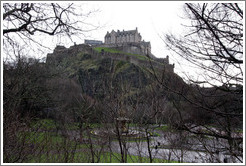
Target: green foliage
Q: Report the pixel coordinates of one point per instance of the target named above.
(121, 66)
(113, 50)
(95, 125)
(49, 124)
(84, 157)
(71, 65)
(46, 124)
(164, 128)
(53, 147)
(107, 49)
(43, 137)
(115, 158)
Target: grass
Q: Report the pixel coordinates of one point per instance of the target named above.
(85, 157)
(59, 154)
(52, 144)
(51, 140)
(107, 49)
(239, 130)
(40, 137)
(115, 158)
(113, 50)
(51, 147)
(48, 141)
(47, 124)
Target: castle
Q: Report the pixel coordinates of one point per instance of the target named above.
(128, 41)
(125, 41)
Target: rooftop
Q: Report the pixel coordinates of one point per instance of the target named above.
(122, 33)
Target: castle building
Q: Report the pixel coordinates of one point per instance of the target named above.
(127, 43)
(130, 41)
(123, 37)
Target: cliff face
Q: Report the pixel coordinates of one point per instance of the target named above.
(88, 76)
(107, 74)
(99, 72)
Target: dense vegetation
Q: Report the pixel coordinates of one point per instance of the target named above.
(79, 91)
(52, 111)
(114, 50)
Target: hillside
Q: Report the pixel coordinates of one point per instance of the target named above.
(81, 87)
(106, 68)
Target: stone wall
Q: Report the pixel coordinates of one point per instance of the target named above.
(141, 48)
(61, 52)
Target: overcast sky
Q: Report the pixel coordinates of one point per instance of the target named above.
(152, 18)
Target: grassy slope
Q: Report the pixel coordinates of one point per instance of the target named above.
(113, 50)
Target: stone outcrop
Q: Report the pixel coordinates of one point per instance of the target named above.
(61, 52)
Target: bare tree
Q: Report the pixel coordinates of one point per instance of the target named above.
(24, 24)
(214, 44)
(26, 27)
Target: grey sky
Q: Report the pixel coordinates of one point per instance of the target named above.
(152, 18)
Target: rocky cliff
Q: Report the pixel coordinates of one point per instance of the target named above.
(99, 70)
